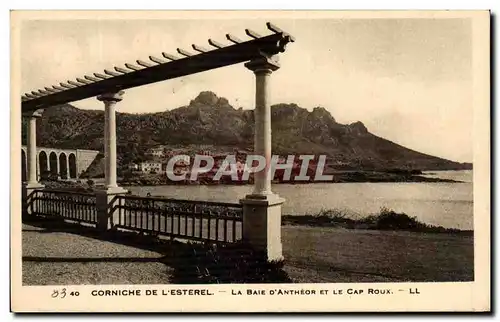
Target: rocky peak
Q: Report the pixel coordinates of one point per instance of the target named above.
(322, 113)
(206, 97)
(358, 127)
(209, 98)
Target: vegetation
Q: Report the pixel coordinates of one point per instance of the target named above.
(386, 219)
(69, 186)
(218, 264)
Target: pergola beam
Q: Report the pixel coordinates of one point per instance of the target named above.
(90, 78)
(184, 52)
(101, 76)
(199, 49)
(122, 70)
(157, 60)
(50, 90)
(215, 44)
(111, 73)
(233, 39)
(189, 63)
(169, 56)
(143, 63)
(253, 34)
(132, 67)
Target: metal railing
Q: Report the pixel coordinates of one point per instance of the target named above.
(76, 206)
(186, 219)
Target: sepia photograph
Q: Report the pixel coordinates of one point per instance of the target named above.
(329, 155)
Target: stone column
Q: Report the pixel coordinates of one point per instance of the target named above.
(110, 101)
(58, 167)
(31, 154)
(262, 69)
(67, 167)
(262, 208)
(106, 199)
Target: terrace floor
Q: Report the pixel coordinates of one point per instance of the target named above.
(62, 258)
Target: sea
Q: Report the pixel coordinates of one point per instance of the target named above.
(437, 203)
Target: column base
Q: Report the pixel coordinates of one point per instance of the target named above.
(261, 199)
(33, 185)
(27, 194)
(112, 190)
(262, 224)
(107, 216)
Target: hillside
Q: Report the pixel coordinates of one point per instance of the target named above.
(212, 121)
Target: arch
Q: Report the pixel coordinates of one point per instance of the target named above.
(53, 163)
(24, 168)
(72, 166)
(63, 166)
(44, 164)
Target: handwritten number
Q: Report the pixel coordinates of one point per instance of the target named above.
(60, 294)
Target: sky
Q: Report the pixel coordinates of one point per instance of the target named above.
(407, 80)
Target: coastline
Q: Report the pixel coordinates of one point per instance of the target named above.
(339, 177)
(385, 220)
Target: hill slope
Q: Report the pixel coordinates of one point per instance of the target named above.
(210, 120)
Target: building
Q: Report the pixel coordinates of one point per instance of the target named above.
(157, 152)
(186, 159)
(133, 166)
(151, 167)
(205, 152)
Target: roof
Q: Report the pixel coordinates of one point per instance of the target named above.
(159, 69)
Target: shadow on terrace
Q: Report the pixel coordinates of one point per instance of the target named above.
(186, 263)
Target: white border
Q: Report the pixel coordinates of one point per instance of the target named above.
(91, 4)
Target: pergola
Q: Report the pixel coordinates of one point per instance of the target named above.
(259, 55)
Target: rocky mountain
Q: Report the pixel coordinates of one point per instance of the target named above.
(211, 120)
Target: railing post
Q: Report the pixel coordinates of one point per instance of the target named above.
(107, 213)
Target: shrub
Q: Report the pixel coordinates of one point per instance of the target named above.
(323, 218)
(386, 219)
(389, 219)
(234, 263)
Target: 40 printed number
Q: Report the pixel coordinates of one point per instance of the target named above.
(62, 293)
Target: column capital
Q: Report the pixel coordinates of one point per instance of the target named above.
(111, 97)
(263, 64)
(34, 114)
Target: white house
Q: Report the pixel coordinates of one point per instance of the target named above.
(204, 152)
(157, 152)
(150, 166)
(133, 166)
(186, 159)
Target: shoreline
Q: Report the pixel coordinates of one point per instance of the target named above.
(345, 177)
(385, 221)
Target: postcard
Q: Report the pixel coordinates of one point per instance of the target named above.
(250, 161)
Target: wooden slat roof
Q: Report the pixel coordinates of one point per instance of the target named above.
(156, 70)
